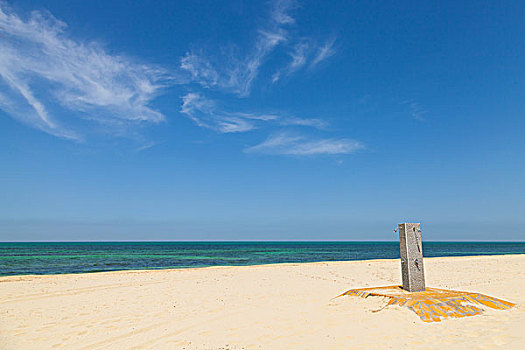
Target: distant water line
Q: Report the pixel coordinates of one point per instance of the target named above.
(79, 257)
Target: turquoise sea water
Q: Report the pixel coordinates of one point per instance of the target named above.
(52, 258)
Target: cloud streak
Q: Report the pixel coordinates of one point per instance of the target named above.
(205, 113)
(236, 74)
(305, 53)
(324, 52)
(42, 69)
(299, 145)
(416, 111)
(208, 114)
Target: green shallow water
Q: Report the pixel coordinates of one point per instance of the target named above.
(67, 257)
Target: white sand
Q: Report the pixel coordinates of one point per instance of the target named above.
(286, 306)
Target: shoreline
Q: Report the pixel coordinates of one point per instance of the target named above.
(2, 277)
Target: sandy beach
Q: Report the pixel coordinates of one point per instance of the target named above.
(285, 306)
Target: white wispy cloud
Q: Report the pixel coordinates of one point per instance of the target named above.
(280, 11)
(208, 114)
(42, 69)
(205, 113)
(312, 122)
(299, 145)
(299, 55)
(304, 53)
(201, 69)
(416, 110)
(324, 51)
(234, 73)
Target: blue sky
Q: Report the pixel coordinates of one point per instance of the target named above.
(249, 120)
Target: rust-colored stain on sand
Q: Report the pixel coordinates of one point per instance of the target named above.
(433, 304)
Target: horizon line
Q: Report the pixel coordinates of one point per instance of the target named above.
(263, 241)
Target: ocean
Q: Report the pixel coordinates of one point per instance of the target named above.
(68, 257)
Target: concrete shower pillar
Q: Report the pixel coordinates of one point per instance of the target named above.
(411, 249)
